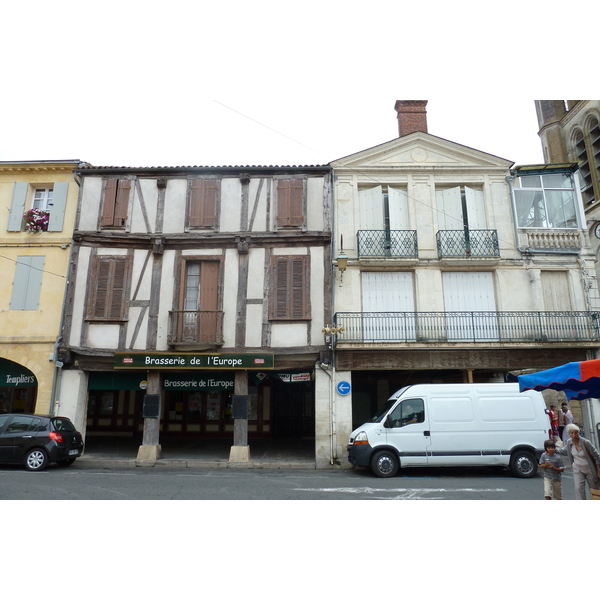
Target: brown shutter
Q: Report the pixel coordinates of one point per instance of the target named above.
(100, 289)
(109, 281)
(203, 203)
(209, 300)
(290, 205)
(108, 210)
(117, 292)
(122, 203)
(291, 290)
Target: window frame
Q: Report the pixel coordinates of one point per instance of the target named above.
(290, 295)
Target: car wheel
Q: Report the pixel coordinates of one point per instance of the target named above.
(384, 463)
(66, 462)
(523, 464)
(36, 460)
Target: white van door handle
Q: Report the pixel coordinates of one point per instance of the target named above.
(427, 433)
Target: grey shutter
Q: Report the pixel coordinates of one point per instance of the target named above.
(17, 207)
(59, 203)
(27, 283)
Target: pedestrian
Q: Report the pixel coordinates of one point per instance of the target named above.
(565, 417)
(584, 459)
(553, 467)
(553, 422)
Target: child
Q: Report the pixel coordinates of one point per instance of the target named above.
(553, 467)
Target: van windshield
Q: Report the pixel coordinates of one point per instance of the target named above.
(378, 417)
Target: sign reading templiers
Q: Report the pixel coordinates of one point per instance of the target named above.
(173, 360)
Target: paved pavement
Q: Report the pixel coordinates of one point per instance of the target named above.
(122, 452)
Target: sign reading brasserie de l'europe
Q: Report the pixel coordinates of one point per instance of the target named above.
(173, 360)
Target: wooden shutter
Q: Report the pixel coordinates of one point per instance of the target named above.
(290, 202)
(59, 204)
(116, 203)
(291, 288)
(17, 207)
(371, 209)
(27, 283)
(107, 299)
(203, 203)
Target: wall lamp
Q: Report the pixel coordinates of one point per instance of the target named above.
(342, 261)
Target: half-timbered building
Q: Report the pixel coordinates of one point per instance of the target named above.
(196, 302)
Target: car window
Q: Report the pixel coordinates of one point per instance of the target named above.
(35, 425)
(61, 424)
(19, 424)
(408, 412)
(3, 419)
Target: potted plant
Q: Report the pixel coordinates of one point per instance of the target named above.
(36, 220)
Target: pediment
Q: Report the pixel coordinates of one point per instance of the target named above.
(421, 150)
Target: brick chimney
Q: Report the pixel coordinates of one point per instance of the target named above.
(412, 116)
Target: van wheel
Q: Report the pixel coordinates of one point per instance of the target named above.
(523, 464)
(384, 464)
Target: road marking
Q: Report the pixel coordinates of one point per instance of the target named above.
(405, 493)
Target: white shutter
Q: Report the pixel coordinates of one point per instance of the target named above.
(475, 208)
(389, 293)
(27, 283)
(471, 292)
(449, 207)
(371, 211)
(59, 204)
(17, 206)
(398, 207)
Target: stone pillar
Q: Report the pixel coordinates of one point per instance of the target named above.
(240, 451)
(150, 450)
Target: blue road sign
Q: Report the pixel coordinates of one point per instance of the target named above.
(343, 388)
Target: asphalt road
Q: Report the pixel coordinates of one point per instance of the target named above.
(77, 483)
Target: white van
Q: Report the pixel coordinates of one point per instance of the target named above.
(436, 425)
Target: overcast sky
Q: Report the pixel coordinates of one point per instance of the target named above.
(143, 83)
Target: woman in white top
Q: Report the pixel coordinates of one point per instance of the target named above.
(585, 460)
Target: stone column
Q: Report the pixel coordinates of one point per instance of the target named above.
(150, 450)
(240, 451)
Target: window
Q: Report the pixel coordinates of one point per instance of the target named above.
(546, 201)
(27, 283)
(408, 412)
(42, 198)
(116, 203)
(290, 202)
(383, 208)
(203, 197)
(109, 285)
(460, 207)
(588, 156)
(290, 285)
(51, 198)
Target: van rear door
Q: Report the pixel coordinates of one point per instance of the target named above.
(407, 428)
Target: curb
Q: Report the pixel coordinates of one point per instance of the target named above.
(108, 463)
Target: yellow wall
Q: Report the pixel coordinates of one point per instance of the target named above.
(27, 337)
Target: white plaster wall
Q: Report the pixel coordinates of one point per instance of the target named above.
(72, 398)
(174, 211)
(314, 190)
(92, 192)
(81, 279)
(342, 406)
(256, 274)
(254, 321)
(141, 339)
(428, 290)
(231, 201)
(317, 276)
(288, 334)
(150, 197)
(103, 335)
(230, 293)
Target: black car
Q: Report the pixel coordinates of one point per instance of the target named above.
(36, 441)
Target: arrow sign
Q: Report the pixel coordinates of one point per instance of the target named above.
(343, 388)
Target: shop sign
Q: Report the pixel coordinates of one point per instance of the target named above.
(173, 360)
(197, 383)
(14, 375)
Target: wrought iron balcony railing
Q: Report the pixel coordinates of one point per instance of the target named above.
(467, 243)
(196, 326)
(387, 243)
(466, 326)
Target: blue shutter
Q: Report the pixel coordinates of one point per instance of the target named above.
(17, 207)
(59, 203)
(27, 283)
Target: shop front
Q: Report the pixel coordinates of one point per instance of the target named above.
(18, 388)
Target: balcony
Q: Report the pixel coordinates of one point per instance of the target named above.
(466, 327)
(387, 244)
(468, 243)
(195, 328)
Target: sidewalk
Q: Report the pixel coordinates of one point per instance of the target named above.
(109, 452)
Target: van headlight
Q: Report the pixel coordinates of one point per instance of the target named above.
(361, 438)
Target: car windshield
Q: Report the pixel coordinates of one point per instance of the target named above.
(62, 424)
(378, 417)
